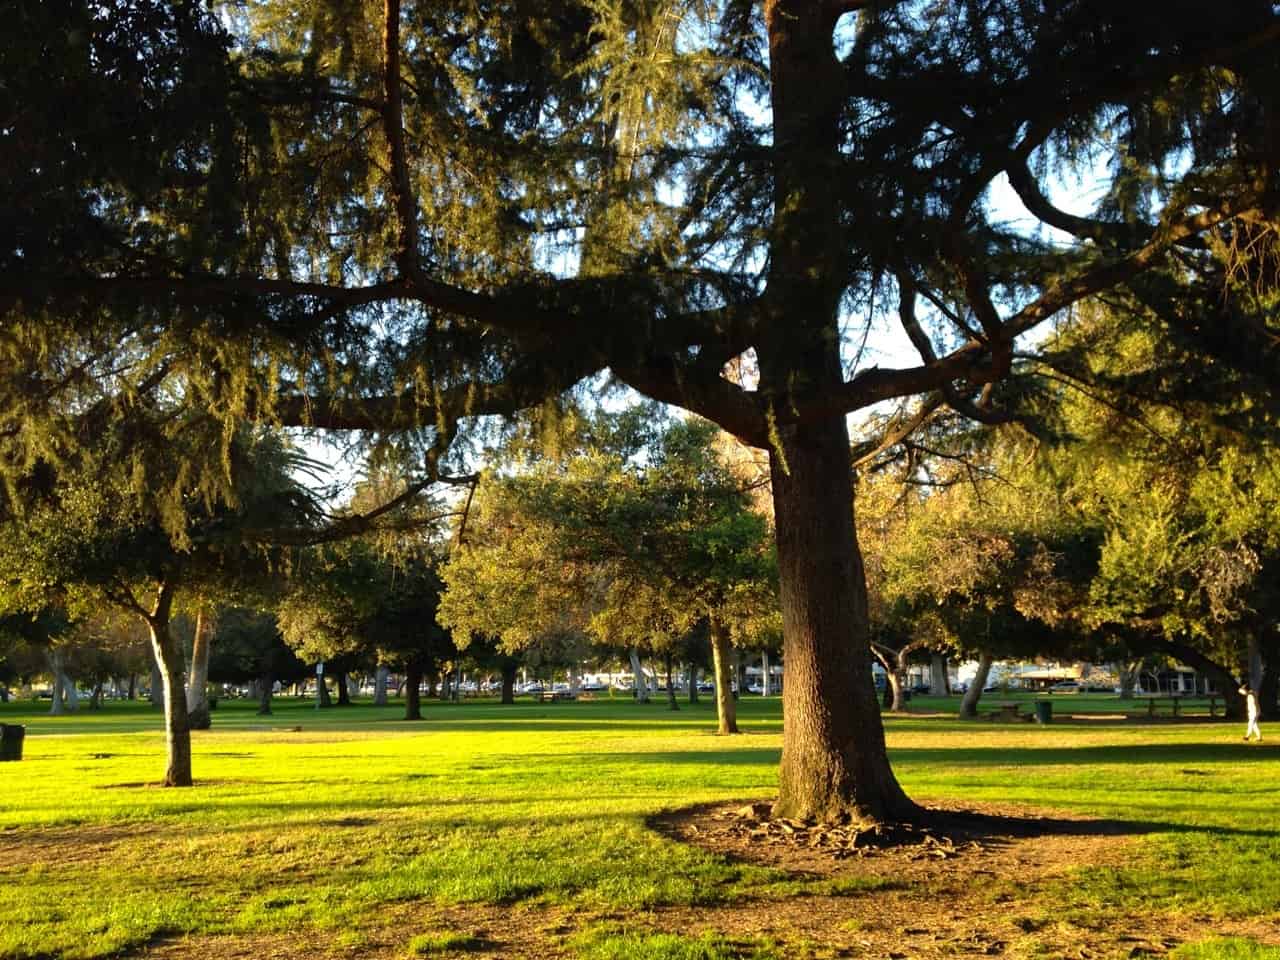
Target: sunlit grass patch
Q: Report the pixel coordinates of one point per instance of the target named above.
(443, 941)
(322, 821)
(1230, 948)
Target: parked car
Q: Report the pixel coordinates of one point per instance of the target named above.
(1066, 686)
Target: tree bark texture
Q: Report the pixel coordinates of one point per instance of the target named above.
(169, 658)
(198, 676)
(265, 683)
(323, 699)
(412, 691)
(722, 658)
(57, 705)
(157, 683)
(509, 682)
(938, 685)
(834, 759)
(969, 703)
(641, 684)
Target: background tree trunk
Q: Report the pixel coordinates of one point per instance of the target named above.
(70, 692)
(1127, 674)
(198, 676)
(265, 683)
(509, 682)
(57, 705)
(169, 657)
(322, 692)
(721, 658)
(133, 687)
(641, 684)
(969, 703)
(672, 702)
(412, 694)
(834, 759)
(764, 673)
(938, 685)
(692, 675)
(340, 688)
(380, 685)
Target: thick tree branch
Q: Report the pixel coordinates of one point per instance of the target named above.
(402, 196)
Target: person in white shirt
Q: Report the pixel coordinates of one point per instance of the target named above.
(1251, 712)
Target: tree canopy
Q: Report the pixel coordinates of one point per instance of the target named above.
(394, 219)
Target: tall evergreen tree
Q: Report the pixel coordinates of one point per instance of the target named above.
(396, 219)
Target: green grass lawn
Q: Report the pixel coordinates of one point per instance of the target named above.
(329, 822)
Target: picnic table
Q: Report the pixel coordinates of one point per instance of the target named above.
(554, 696)
(1007, 710)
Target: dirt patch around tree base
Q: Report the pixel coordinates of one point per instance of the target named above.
(979, 880)
(971, 880)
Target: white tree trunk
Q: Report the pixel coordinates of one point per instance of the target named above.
(380, 685)
(764, 673)
(70, 692)
(969, 704)
(57, 707)
(197, 692)
(642, 685)
(937, 675)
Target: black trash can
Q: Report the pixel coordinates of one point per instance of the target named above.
(11, 737)
(1044, 711)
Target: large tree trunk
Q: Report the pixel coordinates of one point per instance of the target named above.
(938, 685)
(340, 686)
(265, 683)
(641, 684)
(57, 705)
(169, 657)
(70, 692)
(380, 685)
(412, 691)
(133, 687)
(157, 684)
(509, 682)
(722, 658)
(834, 759)
(1127, 674)
(969, 704)
(198, 676)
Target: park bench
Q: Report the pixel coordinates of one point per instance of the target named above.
(1174, 705)
(554, 696)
